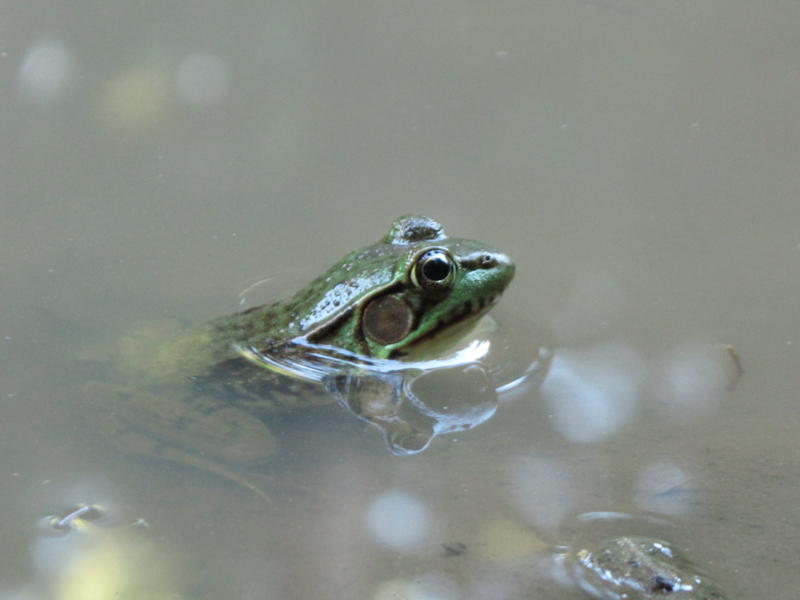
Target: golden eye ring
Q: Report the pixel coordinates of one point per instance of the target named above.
(434, 271)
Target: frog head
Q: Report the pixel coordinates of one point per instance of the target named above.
(394, 297)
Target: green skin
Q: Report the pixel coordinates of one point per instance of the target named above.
(642, 569)
(202, 397)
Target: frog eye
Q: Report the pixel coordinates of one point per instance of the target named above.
(434, 271)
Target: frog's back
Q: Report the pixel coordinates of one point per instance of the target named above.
(205, 360)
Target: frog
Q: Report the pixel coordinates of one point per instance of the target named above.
(641, 568)
(204, 395)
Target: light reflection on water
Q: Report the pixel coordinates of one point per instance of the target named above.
(664, 488)
(694, 377)
(136, 98)
(202, 79)
(399, 520)
(513, 499)
(45, 71)
(474, 515)
(543, 490)
(593, 392)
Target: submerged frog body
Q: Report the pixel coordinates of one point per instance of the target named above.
(637, 568)
(203, 396)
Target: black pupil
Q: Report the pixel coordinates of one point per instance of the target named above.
(436, 268)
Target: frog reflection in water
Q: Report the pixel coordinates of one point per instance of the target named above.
(202, 397)
(638, 568)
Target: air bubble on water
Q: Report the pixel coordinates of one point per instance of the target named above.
(398, 519)
(44, 70)
(202, 79)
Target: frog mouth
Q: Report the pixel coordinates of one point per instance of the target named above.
(457, 321)
(451, 326)
(468, 309)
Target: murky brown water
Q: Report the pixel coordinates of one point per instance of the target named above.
(638, 161)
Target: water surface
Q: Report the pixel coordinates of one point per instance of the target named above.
(638, 161)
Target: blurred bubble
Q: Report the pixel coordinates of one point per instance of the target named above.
(430, 586)
(398, 519)
(45, 70)
(203, 79)
(135, 100)
(664, 487)
(542, 490)
(694, 376)
(592, 392)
